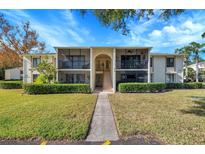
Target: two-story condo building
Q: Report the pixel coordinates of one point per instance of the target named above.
(105, 67)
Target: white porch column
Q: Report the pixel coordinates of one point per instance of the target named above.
(114, 70)
(57, 65)
(91, 69)
(148, 71)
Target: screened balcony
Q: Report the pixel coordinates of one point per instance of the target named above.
(69, 64)
(131, 59)
(131, 76)
(74, 59)
(132, 64)
(74, 77)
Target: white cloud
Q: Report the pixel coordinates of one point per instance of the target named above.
(190, 27)
(169, 35)
(63, 31)
(68, 16)
(75, 36)
(169, 29)
(155, 33)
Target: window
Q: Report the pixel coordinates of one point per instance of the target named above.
(139, 76)
(170, 78)
(35, 77)
(151, 61)
(80, 78)
(170, 62)
(151, 77)
(36, 61)
(130, 61)
(129, 77)
(75, 62)
(75, 78)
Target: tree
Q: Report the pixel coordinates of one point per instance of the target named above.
(196, 50)
(191, 75)
(203, 35)
(47, 69)
(187, 61)
(41, 79)
(16, 40)
(118, 19)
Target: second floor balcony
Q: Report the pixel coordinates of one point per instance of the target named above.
(73, 64)
(132, 64)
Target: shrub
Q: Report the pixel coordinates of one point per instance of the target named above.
(175, 85)
(203, 85)
(40, 79)
(56, 88)
(141, 87)
(190, 85)
(193, 85)
(10, 84)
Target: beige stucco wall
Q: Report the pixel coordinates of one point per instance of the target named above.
(96, 52)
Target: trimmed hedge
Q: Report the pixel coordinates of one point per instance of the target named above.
(156, 87)
(189, 85)
(141, 87)
(203, 85)
(10, 84)
(56, 88)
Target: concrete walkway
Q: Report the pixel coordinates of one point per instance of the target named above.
(103, 124)
(107, 82)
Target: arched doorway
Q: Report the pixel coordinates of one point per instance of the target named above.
(103, 75)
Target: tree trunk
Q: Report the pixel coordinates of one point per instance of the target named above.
(197, 70)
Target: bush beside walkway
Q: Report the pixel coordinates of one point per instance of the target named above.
(56, 88)
(134, 87)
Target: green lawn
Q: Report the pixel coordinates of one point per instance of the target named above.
(172, 117)
(56, 116)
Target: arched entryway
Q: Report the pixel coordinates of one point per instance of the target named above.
(103, 73)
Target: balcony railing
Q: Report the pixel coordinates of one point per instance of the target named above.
(73, 64)
(133, 64)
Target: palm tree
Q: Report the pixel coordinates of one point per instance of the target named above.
(196, 50)
(186, 52)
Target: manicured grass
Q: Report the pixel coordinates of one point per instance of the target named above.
(172, 117)
(54, 116)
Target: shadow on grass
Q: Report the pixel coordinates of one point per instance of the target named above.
(198, 108)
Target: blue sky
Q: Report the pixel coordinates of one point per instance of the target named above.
(69, 28)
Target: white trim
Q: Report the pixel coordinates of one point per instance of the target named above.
(91, 69)
(117, 47)
(114, 70)
(57, 65)
(148, 71)
(74, 69)
(170, 72)
(131, 69)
